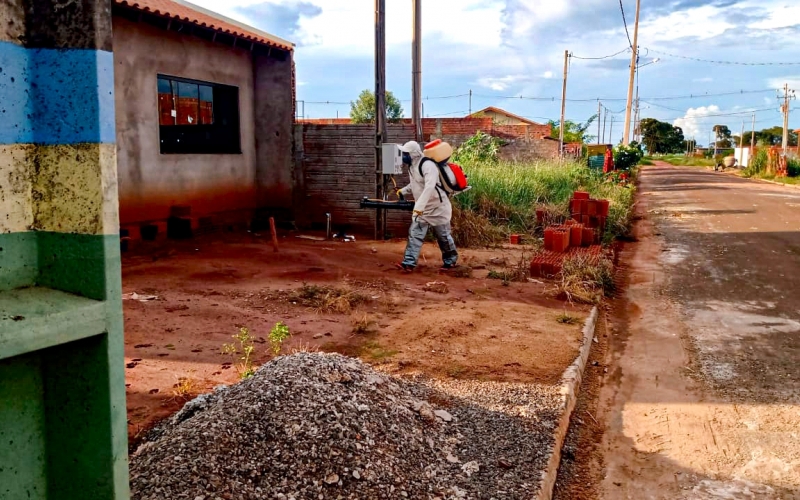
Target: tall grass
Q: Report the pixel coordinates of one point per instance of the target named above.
(504, 198)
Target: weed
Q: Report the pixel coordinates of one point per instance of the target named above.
(305, 347)
(504, 198)
(376, 351)
(328, 300)
(278, 334)
(586, 280)
(362, 324)
(184, 389)
(516, 271)
(245, 351)
(567, 319)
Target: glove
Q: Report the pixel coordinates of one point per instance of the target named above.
(417, 213)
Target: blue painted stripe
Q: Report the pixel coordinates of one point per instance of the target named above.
(56, 96)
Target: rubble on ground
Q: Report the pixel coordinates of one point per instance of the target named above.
(319, 426)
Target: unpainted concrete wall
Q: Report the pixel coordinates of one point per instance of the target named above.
(149, 182)
(274, 118)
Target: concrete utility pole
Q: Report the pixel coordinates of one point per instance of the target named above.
(635, 49)
(741, 151)
(787, 94)
(563, 106)
(416, 58)
(611, 131)
(599, 110)
(470, 102)
(380, 109)
(753, 136)
(605, 115)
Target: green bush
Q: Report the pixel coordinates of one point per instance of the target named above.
(481, 147)
(627, 157)
(793, 168)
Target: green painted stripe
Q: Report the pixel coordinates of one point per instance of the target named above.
(61, 188)
(87, 265)
(18, 260)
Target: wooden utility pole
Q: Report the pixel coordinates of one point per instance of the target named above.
(787, 94)
(380, 110)
(635, 49)
(416, 58)
(563, 106)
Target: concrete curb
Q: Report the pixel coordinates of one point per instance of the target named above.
(767, 181)
(570, 383)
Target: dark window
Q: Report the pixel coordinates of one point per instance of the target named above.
(197, 117)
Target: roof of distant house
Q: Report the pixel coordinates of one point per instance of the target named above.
(194, 14)
(504, 112)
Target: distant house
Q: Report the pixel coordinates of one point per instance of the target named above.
(204, 117)
(502, 117)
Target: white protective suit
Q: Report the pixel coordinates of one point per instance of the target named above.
(432, 202)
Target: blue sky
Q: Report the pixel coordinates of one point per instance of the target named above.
(509, 51)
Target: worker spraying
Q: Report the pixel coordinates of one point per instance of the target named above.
(433, 181)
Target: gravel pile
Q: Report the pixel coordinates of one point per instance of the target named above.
(318, 426)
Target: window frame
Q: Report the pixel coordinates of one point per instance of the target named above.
(233, 145)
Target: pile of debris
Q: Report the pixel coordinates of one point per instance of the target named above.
(314, 425)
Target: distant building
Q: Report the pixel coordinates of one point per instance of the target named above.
(502, 117)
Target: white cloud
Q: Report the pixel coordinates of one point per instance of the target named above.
(501, 83)
(778, 83)
(691, 121)
(548, 74)
(701, 22)
(780, 16)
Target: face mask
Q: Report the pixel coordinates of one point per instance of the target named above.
(407, 158)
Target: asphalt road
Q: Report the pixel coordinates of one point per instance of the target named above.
(702, 399)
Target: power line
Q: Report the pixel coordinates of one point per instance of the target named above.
(734, 63)
(626, 24)
(717, 115)
(626, 49)
(658, 98)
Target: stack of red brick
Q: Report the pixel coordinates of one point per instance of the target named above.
(588, 211)
(579, 235)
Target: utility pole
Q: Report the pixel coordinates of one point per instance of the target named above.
(741, 151)
(634, 59)
(752, 137)
(470, 102)
(416, 58)
(787, 94)
(599, 110)
(611, 131)
(605, 115)
(563, 106)
(380, 110)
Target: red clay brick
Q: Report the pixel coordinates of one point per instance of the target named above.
(580, 195)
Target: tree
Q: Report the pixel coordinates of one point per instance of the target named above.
(723, 136)
(363, 110)
(661, 137)
(573, 132)
(772, 136)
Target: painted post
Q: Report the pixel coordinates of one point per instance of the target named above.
(62, 380)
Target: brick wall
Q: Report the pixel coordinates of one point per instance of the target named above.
(336, 166)
(528, 150)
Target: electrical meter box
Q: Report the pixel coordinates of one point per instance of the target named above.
(392, 159)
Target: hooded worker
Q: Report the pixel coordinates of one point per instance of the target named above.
(432, 209)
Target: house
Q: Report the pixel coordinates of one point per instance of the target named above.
(204, 118)
(502, 117)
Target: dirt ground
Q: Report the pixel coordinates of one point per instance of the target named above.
(699, 398)
(193, 296)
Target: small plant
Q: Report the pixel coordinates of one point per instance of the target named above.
(184, 389)
(278, 334)
(566, 319)
(362, 324)
(328, 300)
(245, 351)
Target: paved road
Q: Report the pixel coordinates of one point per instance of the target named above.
(703, 396)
